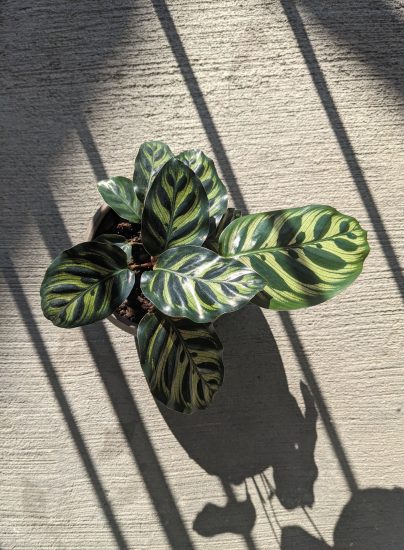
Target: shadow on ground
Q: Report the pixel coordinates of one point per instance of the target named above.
(253, 423)
(53, 55)
(371, 31)
(51, 62)
(372, 520)
(227, 451)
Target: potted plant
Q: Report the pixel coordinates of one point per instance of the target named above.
(168, 257)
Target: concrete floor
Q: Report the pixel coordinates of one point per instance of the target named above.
(298, 103)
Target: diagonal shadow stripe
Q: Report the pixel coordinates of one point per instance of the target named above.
(372, 31)
(90, 147)
(136, 435)
(188, 74)
(125, 407)
(17, 291)
(323, 91)
(310, 377)
(112, 375)
(206, 119)
(46, 91)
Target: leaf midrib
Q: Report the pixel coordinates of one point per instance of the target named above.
(126, 202)
(93, 286)
(179, 274)
(171, 222)
(131, 207)
(152, 171)
(270, 248)
(183, 342)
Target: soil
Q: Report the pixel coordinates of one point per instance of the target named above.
(136, 305)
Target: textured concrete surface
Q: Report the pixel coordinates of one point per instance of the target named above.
(298, 103)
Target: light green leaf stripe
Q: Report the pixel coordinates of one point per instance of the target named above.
(204, 168)
(175, 211)
(119, 194)
(196, 283)
(150, 159)
(117, 240)
(182, 361)
(85, 284)
(306, 255)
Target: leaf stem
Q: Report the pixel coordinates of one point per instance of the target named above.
(133, 267)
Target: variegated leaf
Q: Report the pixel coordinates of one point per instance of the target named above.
(204, 168)
(182, 361)
(117, 240)
(151, 157)
(305, 255)
(175, 211)
(119, 194)
(85, 284)
(196, 283)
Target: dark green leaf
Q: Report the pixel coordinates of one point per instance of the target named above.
(212, 241)
(229, 216)
(119, 194)
(85, 284)
(175, 211)
(305, 255)
(194, 282)
(204, 168)
(182, 361)
(151, 157)
(117, 240)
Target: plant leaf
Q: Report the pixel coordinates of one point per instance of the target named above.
(182, 361)
(175, 211)
(212, 241)
(151, 157)
(117, 240)
(196, 283)
(306, 255)
(204, 168)
(119, 194)
(85, 284)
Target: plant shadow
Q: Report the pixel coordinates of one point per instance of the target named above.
(253, 423)
(371, 520)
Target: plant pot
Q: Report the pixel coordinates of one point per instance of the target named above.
(102, 222)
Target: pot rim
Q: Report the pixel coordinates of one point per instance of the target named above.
(124, 324)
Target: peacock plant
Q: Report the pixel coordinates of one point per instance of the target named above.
(187, 259)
